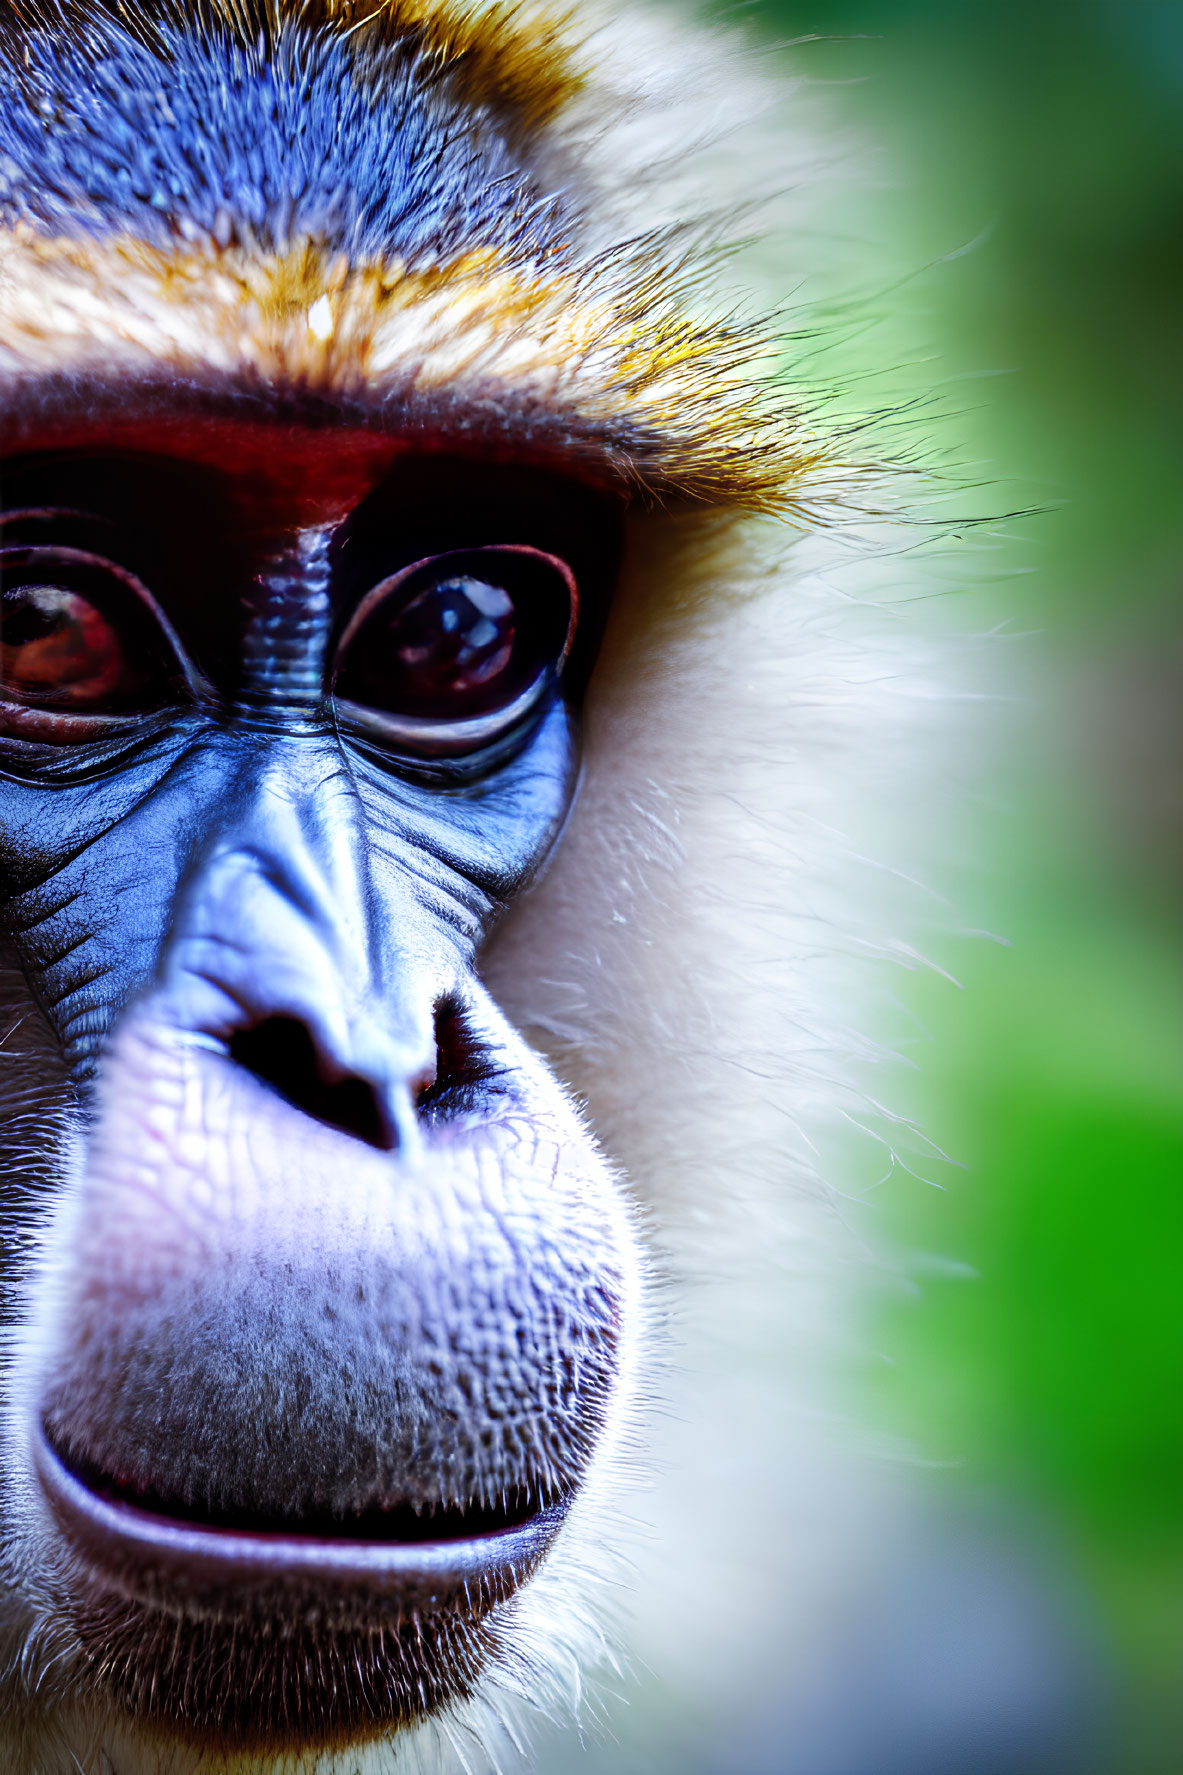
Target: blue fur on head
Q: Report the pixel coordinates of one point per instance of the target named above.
(99, 133)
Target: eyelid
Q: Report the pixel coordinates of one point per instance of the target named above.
(425, 737)
(56, 726)
(72, 557)
(445, 563)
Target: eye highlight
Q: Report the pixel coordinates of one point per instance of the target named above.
(452, 652)
(451, 642)
(80, 643)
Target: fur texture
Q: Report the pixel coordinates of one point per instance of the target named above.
(691, 961)
(304, 198)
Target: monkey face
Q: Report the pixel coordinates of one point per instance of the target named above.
(334, 1303)
(335, 339)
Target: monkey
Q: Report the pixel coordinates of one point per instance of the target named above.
(379, 470)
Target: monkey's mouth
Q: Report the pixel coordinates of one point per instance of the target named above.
(265, 1634)
(142, 1541)
(270, 1350)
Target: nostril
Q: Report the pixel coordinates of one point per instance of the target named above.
(467, 1073)
(281, 1052)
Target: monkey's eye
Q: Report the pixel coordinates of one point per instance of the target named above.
(77, 640)
(451, 653)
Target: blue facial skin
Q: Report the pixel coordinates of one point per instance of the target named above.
(241, 856)
(388, 885)
(100, 135)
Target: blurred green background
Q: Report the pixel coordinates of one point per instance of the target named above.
(1050, 135)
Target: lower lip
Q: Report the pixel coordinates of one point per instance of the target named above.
(140, 1553)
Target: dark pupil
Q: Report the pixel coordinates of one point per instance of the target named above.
(32, 615)
(454, 637)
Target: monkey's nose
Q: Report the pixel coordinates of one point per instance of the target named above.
(275, 957)
(282, 1052)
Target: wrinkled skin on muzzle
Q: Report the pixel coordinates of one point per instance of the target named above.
(327, 1324)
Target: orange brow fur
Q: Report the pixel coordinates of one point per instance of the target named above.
(668, 402)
